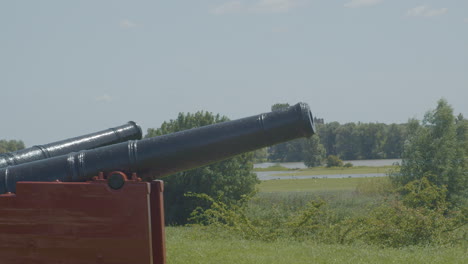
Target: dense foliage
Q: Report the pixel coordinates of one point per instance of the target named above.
(10, 145)
(334, 161)
(229, 180)
(353, 141)
(372, 214)
(350, 141)
(436, 149)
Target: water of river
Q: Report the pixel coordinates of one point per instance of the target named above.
(300, 165)
(272, 175)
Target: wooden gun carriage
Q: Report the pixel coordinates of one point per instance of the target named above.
(91, 206)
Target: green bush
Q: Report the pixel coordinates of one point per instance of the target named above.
(420, 216)
(397, 225)
(230, 217)
(334, 161)
(423, 193)
(392, 223)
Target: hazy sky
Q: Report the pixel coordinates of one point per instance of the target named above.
(74, 67)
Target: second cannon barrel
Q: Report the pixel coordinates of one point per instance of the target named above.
(106, 137)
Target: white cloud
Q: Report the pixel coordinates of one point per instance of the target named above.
(426, 11)
(228, 8)
(105, 98)
(362, 3)
(259, 6)
(274, 6)
(127, 24)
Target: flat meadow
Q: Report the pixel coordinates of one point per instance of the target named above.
(193, 245)
(261, 239)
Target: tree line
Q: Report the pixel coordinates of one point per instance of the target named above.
(350, 141)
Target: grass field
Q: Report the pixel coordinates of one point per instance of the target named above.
(314, 185)
(347, 197)
(191, 245)
(274, 168)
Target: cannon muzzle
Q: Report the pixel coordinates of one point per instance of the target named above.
(168, 154)
(106, 137)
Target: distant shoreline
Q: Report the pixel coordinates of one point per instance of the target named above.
(297, 170)
(269, 175)
(300, 165)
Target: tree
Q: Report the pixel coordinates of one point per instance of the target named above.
(370, 140)
(10, 145)
(260, 155)
(229, 180)
(334, 161)
(347, 141)
(327, 134)
(436, 149)
(462, 132)
(394, 140)
(313, 152)
(362, 140)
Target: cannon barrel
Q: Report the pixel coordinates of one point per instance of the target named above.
(106, 137)
(168, 154)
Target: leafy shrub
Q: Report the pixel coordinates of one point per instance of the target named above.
(230, 217)
(397, 225)
(334, 161)
(423, 193)
(420, 216)
(348, 165)
(392, 223)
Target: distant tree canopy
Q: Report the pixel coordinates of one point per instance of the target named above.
(352, 141)
(10, 145)
(346, 141)
(229, 179)
(437, 149)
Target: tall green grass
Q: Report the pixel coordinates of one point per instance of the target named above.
(317, 185)
(195, 245)
(313, 221)
(343, 203)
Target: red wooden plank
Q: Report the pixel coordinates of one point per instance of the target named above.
(157, 222)
(56, 222)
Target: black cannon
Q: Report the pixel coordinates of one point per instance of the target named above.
(106, 137)
(168, 154)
